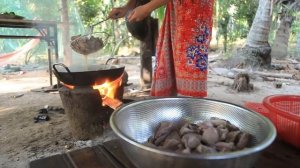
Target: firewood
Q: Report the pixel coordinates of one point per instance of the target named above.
(264, 74)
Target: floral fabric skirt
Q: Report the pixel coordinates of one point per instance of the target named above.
(182, 49)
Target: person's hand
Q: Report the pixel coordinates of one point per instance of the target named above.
(139, 13)
(117, 13)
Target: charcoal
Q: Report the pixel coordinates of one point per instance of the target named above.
(43, 111)
(41, 117)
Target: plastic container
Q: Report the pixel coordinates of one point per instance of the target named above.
(284, 112)
(260, 108)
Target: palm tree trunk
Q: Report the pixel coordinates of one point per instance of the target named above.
(257, 50)
(280, 46)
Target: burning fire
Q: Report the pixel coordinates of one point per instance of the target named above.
(109, 88)
(69, 86)
(108, 92)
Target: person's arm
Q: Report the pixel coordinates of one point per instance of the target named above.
(119, 12)
(154, 4)
(130, 4)
(143, 11)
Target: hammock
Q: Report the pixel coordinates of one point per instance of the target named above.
(5, 58)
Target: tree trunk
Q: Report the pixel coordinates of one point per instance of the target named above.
(66, 33)
(147, 50)
(298, 44)
(224, 29)
(257, 50)
(225, 38)
(280, 46)
(214, 37)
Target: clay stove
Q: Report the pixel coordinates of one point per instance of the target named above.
(86, 106)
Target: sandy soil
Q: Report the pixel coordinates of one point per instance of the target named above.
(22, 140)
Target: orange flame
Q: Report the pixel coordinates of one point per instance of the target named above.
(109, 88)
(69, 86)
(107, 91)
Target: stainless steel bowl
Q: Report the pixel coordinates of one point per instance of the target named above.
(136, 122)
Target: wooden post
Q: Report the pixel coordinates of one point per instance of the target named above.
(66, 33)
(85, 112)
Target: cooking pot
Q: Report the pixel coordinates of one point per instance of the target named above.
(87, 76)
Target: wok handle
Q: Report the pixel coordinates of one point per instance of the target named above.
(109, 59)
(65, 67)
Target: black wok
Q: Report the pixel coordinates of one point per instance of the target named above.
(87, 76)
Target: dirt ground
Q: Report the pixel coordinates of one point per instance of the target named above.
(22, 140)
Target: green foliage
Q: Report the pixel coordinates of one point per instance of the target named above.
(234, 19)
(88, 9)
(223, 20)
(295, 29)
(159, 13)
(246, 10)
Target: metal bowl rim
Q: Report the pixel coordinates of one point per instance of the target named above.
(261, 146)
